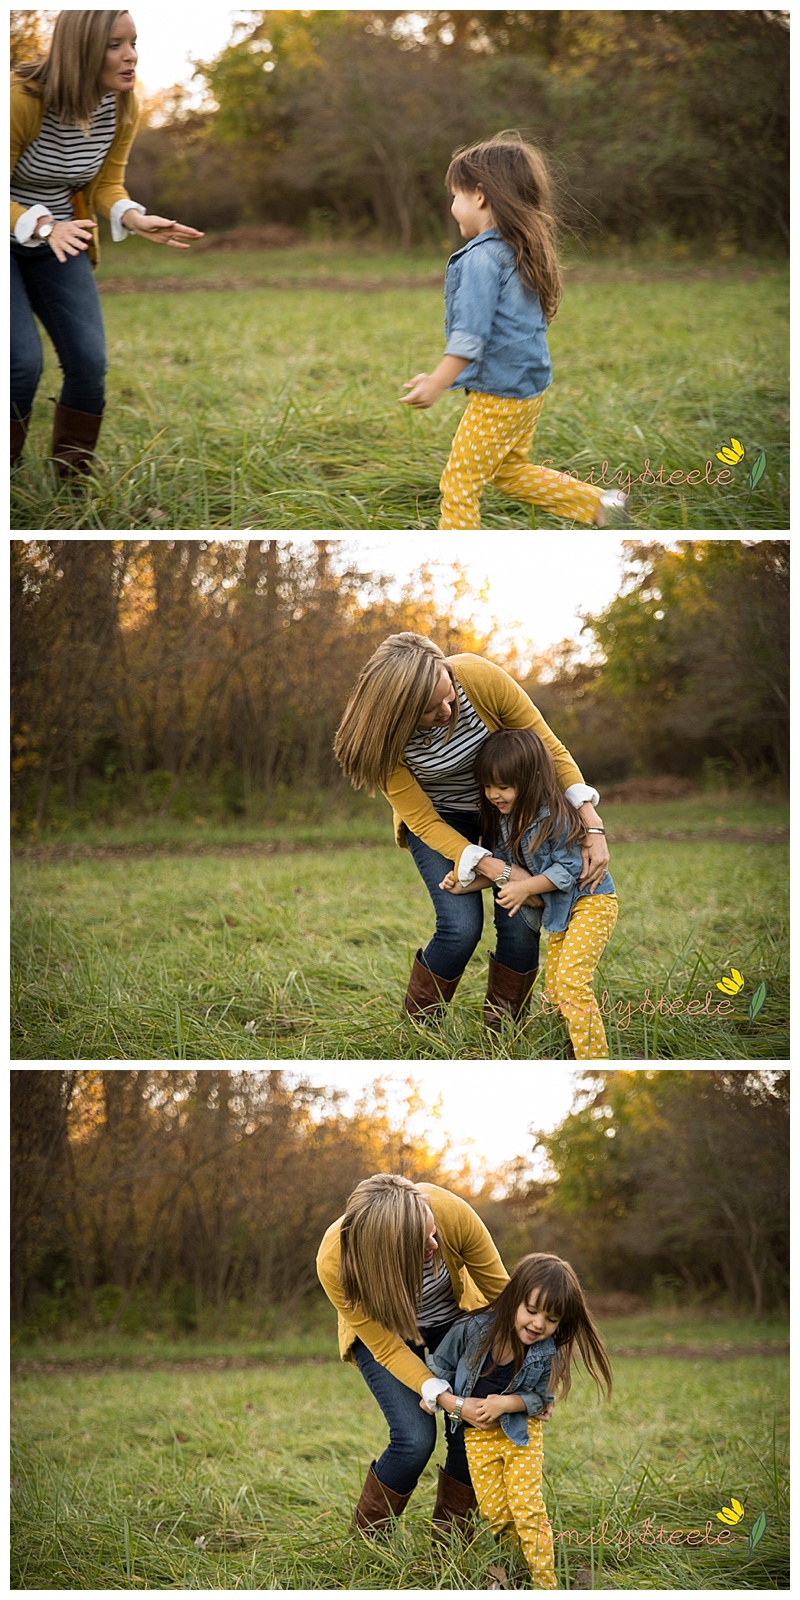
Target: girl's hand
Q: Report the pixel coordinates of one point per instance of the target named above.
(515, 893)
(425, 391)
(70, 238)
(490, 1408)
(161, 231)
(469, 1413)
(452, 885)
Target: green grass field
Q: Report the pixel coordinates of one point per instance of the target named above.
(246, 1479)
(304, 953)
(267, 396)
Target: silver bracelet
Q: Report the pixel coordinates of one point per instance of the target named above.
(457, 1409)
(503, 878)
(594, 830)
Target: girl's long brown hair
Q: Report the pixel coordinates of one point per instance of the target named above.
(518, 758)
(558, 1292)
(514, 177)
(67, 78)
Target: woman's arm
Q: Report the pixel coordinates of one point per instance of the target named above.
(109, 194)
(411, 804)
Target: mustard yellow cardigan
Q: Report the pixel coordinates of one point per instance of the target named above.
(27, 116)
(476, 1273)
(500, 703)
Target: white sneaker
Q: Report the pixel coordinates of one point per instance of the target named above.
(615, 507)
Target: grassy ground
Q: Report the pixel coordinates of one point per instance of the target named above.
(269, 399)
(304, 954)
(246, 1479)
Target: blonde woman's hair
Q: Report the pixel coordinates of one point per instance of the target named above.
(514, 177)
(68, 77)
(384, 709)
(382, 1252)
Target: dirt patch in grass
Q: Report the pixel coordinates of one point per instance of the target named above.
(224, 282)
(773, 833)
(53, 1369)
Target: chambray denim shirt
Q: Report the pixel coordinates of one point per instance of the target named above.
(456, 1360)
(495, 322)
(558, 861)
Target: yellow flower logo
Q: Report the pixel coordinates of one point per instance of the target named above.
(731, 453)
(731, 1514)
(733, 984)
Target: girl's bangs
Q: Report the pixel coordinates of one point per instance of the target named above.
(500, 767)
(554, 1293)
(459, 174)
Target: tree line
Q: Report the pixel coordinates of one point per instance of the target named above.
(661, 122)
(145, 1198)
(195, 677)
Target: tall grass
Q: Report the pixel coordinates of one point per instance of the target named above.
(305, 956)
(209, 1480)
(247, 407)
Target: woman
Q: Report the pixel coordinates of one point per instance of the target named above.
(412, 728)
(73, 120)
(400, 1267)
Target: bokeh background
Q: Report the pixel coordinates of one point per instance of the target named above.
(254, 380)
(180, 1416)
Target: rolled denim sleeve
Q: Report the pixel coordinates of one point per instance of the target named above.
(536, 1399)
(474, 305)
(565, 865)
(445, 1358)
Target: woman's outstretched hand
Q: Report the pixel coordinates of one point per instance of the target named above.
(159, 230)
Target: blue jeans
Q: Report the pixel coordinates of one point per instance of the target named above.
(412, 1431)
(459, 917)
(63, 295)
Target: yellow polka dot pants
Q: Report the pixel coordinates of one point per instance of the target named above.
(569, 972)
(507, 1479)
(491, 446)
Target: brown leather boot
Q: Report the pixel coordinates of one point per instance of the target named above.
(427, 995)
(377, 1506)
(74, 438)
(19, 430)
(506, 993)
(454, 1504)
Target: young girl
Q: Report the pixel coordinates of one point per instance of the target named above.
(503, 1367)
(500, 292)
(525, 820)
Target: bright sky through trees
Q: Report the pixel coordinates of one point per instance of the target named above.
(487, 1108)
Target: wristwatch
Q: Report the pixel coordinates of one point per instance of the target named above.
(504, 877)
(45, 230)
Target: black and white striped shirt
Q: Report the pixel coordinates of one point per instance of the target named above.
(442, 765)
(438, 1303)
(62, 159)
